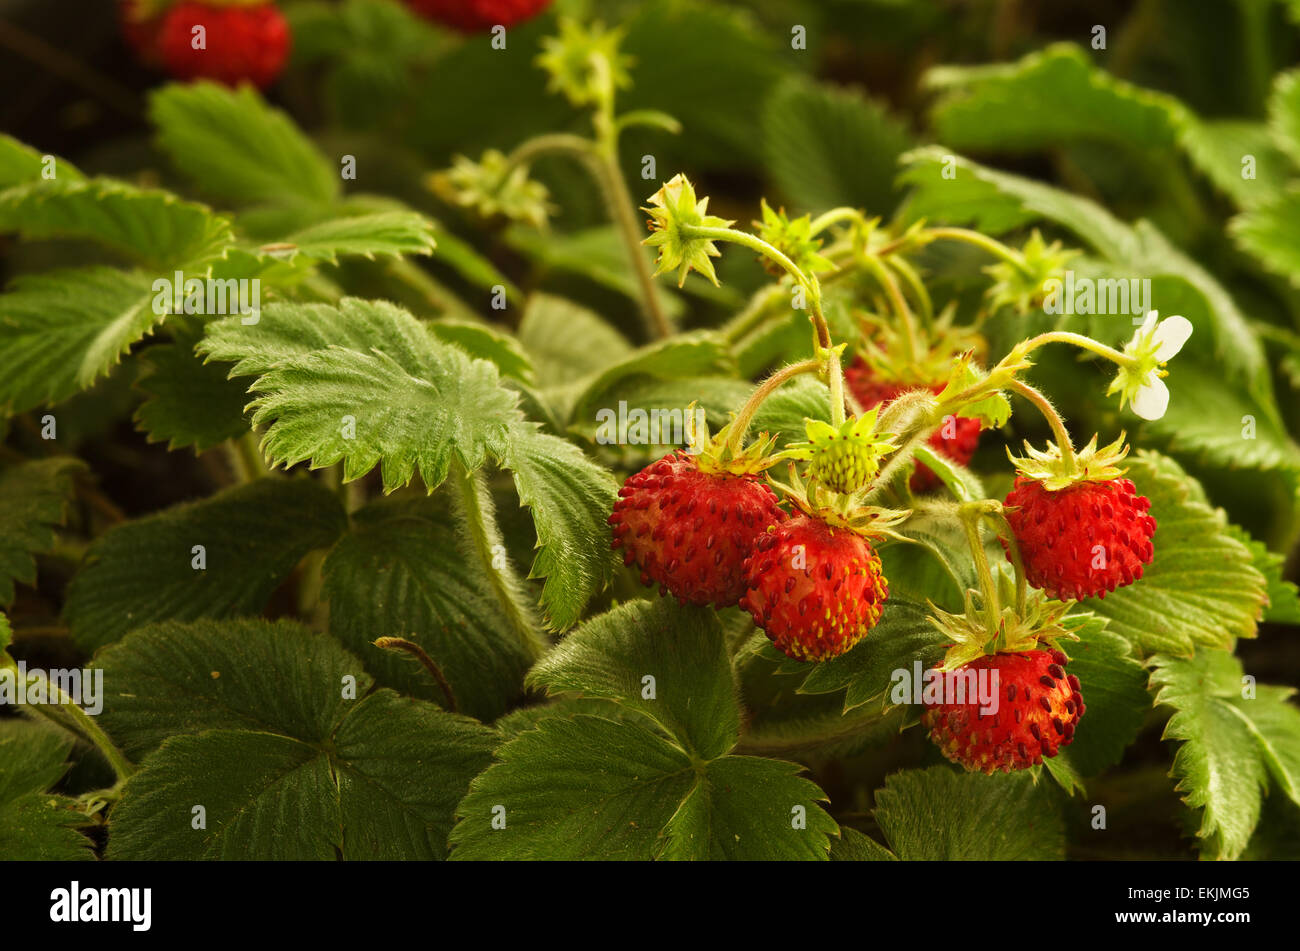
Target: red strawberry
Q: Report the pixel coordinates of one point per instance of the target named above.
(963, 434)
(1084, 540)
(690, 531)
(1036, 709)
(815, 589)
(476, 15)
(241, 43)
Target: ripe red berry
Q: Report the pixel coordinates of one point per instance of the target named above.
(814, 588)
(1035, 709)
(476, 15)
(1084, 540)
(957, 439)
(240, 43)
(690, 531)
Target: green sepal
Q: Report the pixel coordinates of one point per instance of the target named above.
(673, 209)
(1090, 464)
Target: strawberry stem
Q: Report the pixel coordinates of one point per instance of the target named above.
(833, 217)
(740, 425)
(898, 303)
(1045, 407)
(971, 514)
(984, 242)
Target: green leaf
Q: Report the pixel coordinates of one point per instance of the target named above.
(20, 163)
(1048, 98)
(1269, 231)
(997, 202)
(398, 573)
(62, 330)
(1115, 686)
(34, 498)
(692, 695)
(900, 640)
(960, 481)
(238, 148)
(1283, 596)
(1201, 589)
(584, 787)
(188, 402)
(570, 498)
(1230, 745)
(1218, 147)
(34, 824)
(486, 342)
(367, 384)
(382, 787)
(1284, 113)
(152, 227)
(389, 233)
(689, 354)
(235, 673)
(943, 814)
(252, 536)
(566, 341)
(744, 808)
(854, 846)
(827, 147)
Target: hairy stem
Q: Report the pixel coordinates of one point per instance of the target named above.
(1045, 407)
(898, 303)
(970, 522)
(984, 242)
(740, 425)
(418, 652)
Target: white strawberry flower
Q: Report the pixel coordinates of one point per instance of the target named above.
(1139, 380)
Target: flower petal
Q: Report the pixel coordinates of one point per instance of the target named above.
(1170, 336)
(1143, 332)
(1152, 399)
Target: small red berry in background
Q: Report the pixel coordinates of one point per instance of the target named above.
(140, 32)
(240, 43)
(477, 15)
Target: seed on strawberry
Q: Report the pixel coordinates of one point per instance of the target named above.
(1034, 713)
(957, 438)
(815, 589)
(239, 43)
(1083, 540)
(690, 531)
(476, 15)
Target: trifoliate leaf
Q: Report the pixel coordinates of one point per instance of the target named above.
(853, 846)
(584, 787)
(367, 384)
(34, 498)
(20, 163)
(281, 718)
(220, 557)
(483, 340)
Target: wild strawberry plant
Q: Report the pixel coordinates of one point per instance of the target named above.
(480, 571)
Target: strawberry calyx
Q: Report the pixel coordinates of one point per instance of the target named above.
(839, 510)
(716, 455)
(1041, 623)
(843, 458)
(1056, 470)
